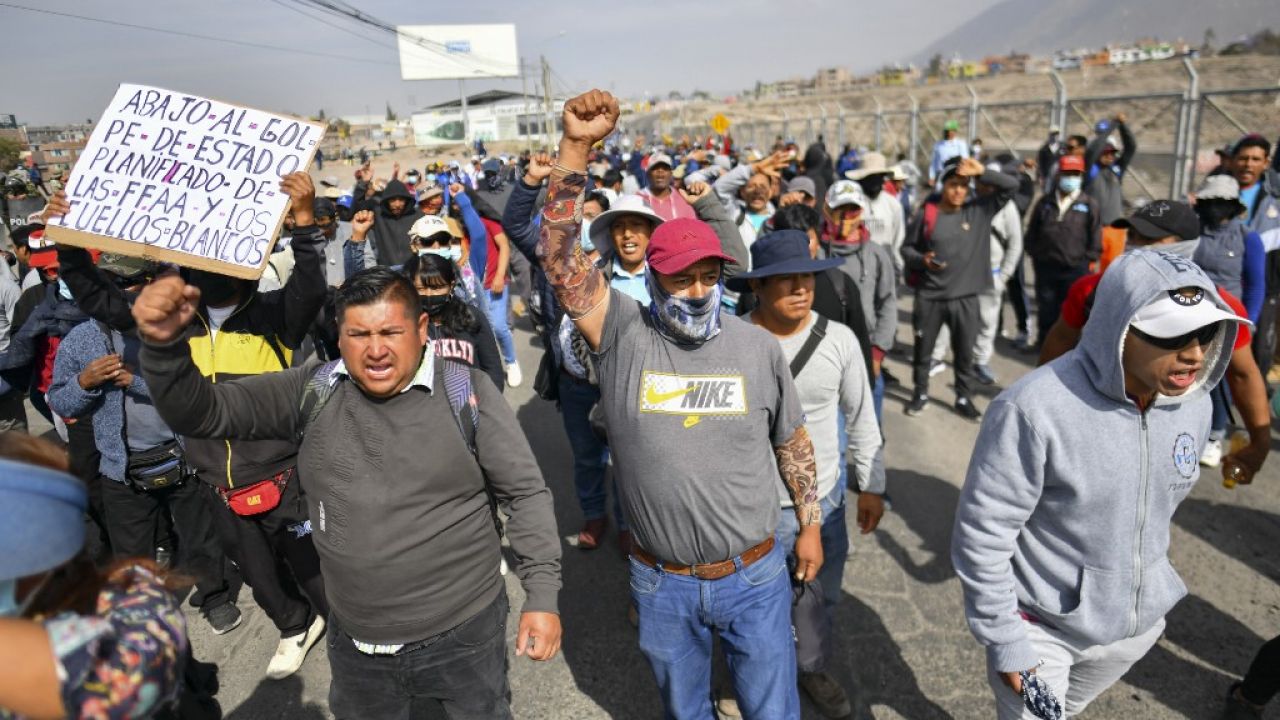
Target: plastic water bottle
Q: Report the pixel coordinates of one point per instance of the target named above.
(1232, 472)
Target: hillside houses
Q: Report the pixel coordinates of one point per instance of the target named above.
(833, 80)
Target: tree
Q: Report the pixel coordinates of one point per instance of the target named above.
(1210, 37)
(320, 116)
(675, 95)
(9, 150)
(391, 114)
(935, 65)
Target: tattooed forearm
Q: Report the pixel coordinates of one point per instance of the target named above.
(799, 471)
(579, 285)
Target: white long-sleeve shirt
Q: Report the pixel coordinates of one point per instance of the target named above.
(883, 219)
(835, 379)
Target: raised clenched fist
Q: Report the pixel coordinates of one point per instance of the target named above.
(590, 117)
(165, 308)
(539, 169)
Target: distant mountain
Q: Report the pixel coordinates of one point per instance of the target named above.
(1042, 26)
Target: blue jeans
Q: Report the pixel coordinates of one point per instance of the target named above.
(835, 543)
(497, 314)
(751, 612)
(590, 456)
(1221, 397)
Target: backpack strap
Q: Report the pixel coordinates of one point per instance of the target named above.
(315, 394)
(462, 399)
(930, 220)
(816, 334)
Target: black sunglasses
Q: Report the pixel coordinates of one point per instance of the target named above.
(1204, 336)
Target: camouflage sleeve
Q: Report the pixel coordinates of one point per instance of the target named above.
(579, 285)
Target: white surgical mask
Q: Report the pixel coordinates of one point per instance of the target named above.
(1069, 183)
(587, 245)
(452, 252)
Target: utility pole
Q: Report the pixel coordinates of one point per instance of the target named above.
(524, 95)
(549, 124)
(466, 123)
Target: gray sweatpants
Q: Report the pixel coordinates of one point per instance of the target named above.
(1077, 674)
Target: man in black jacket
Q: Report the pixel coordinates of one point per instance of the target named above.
(242, 332)
(396, 213)
(1063, 237)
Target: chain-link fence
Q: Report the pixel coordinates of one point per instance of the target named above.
(1222, 116)
(1175, 132)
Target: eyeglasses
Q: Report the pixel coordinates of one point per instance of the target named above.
(1203, 335)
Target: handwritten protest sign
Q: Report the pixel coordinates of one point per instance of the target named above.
(184, 179)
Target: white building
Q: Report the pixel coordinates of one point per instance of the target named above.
(492, 115)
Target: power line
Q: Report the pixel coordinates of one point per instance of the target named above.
(295, 7)
(197, 36)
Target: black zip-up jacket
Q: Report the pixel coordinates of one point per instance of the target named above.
(1074, 240)
(258, 337)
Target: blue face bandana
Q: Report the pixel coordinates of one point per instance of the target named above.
(684, 321)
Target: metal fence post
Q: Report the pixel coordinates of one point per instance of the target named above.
(1190, 145)
(786, 125)
(840, 125)
(822, 128)
(879, 125)
(808, 127)
(1058, 115)
(973, 111)
(914, 133)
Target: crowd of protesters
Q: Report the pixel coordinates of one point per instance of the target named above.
(714, 322)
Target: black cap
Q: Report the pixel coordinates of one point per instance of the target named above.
(950, 167)
(323, 207)
(1162, 218)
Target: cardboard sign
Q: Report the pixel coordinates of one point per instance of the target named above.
(178, 178)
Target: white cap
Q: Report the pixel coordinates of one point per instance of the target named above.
(660, 159)
(428, 225)
(846, 192)
(1219, 187)
(1178, 312)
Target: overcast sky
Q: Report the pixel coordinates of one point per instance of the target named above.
(65, 70)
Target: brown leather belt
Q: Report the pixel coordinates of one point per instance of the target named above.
(705, 571)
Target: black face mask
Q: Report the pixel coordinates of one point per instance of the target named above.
(215, 290)
(872, 185)
(433, 305)
(1216, 212)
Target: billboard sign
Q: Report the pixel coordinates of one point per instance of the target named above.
(452, 52)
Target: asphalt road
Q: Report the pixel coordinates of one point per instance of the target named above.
(903, 649)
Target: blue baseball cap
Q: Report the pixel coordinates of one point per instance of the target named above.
(781, 252)
(344, 201)
(41, 518)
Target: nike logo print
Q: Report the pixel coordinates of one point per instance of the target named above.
(653, 397)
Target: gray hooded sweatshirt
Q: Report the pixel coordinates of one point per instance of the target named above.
(1065, 510)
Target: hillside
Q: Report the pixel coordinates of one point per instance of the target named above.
(1042, 26)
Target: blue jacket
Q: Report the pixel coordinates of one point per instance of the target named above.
(105, 403)
(522, 231)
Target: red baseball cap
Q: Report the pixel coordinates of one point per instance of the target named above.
(677, 244)
(1071, 163)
